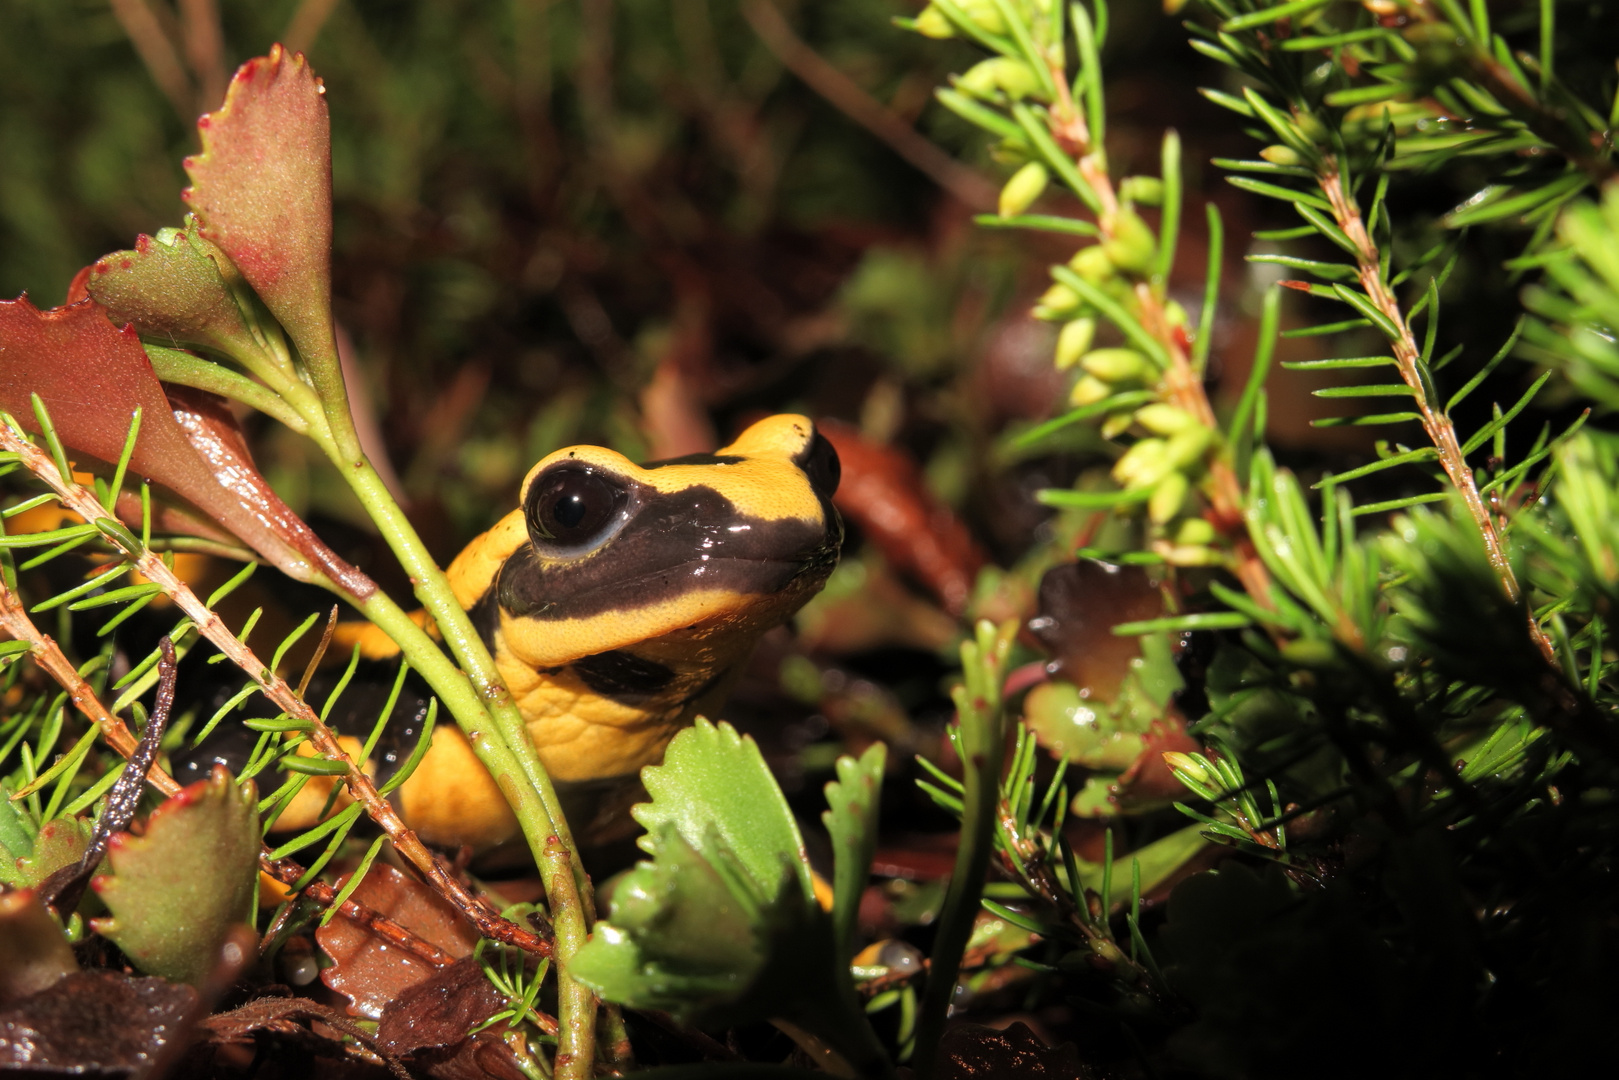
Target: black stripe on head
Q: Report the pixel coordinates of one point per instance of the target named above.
(678, 541)
(623, 676)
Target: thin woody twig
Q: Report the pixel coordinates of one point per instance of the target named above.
(49, 657)
(156, 51)
(848, 98)
(283, 696)
(1435, 421)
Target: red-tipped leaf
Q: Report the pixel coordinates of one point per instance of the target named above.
(262, 191)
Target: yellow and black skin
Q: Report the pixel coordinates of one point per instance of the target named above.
(619, 602)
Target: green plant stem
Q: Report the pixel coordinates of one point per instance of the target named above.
(576, 1005)
(983, 745)
(488, 689)
(535, 803)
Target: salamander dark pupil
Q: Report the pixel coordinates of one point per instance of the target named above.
(570, 511)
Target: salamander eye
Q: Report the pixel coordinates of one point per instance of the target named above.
(575, 508)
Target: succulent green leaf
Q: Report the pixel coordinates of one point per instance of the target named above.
(60, 843)
(684, 936)
(852, 822)
(176, 891)
(714, 785)
(172, 289)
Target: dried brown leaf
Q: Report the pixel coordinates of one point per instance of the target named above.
(370, 971)
(883, 492)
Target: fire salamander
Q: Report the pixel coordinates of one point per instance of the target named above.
(619, 601)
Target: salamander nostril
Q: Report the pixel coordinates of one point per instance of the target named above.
(819, 462)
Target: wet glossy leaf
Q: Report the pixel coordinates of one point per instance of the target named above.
(93, 1023)
(370, 971)
(92, 377)
(176, 890)
(1080, 604)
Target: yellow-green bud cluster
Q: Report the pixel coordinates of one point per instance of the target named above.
(1106, 372)
(1000, 75)
(983, 13)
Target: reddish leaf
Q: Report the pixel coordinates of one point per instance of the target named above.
(92, 376)
(1148, 781)
(1080, 604)
(262, 191)
(370, 971)
(213, 432)
(93, 1023)
(883, 491)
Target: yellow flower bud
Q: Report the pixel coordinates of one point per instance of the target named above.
(1195, 532)
(1092, 264)
(1026, 185)
(1130, 243)
(1187, 447)
(1193, 768)
(1115, 365)
(1281, 155)
(1073, 341)
(985, 13)
(1001, 74)
(1116, 425)
(1174, 314)
(1057, 302)
(1088, 391)
(932, 23)
(1162, 419)
(1168, 498)
(1143, 465)
(1193, 555)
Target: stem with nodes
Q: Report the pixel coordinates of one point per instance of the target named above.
(1436, 423)
(1182, 382)
(48, 655)
(209, 625)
